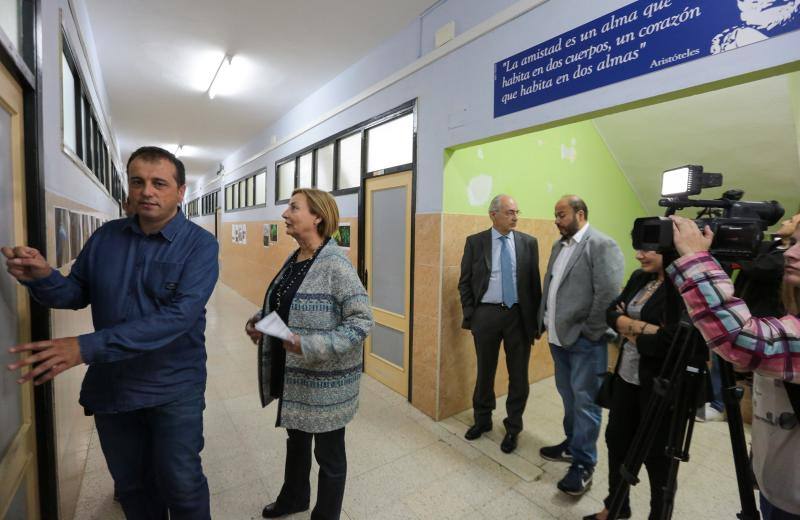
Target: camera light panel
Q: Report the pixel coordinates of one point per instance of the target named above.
(677, 182)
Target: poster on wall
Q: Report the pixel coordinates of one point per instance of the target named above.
(642, 37)
(273, 232)
(75, 235)
(266, 235)
(62, 237)
(239, 232)
(343, 235)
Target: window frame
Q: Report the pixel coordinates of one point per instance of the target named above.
(242, 184)
(405, 109)
(209, 203)
(93, 154)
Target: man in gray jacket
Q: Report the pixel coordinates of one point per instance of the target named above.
(583, 276)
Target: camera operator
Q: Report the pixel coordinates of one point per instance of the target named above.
(759, 280)
(758, 283)
(770, 346)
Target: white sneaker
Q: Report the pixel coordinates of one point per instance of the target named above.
(700, 414)
(711, 414)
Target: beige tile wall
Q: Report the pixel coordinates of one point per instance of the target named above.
(457, 357)
(425, 342)
(249, 268)
(443, 358)
(443, 354)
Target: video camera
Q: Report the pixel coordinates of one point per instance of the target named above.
(738, 225)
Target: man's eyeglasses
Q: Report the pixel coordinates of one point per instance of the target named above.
(511, 212)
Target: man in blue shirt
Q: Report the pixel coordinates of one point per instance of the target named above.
(148, 278)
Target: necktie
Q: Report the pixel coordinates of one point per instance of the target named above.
(507, 273)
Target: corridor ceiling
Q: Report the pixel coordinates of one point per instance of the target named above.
(157, 59)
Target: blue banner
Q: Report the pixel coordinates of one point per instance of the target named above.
(642, 37)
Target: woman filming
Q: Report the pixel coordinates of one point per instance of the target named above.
(768, 346)
(315, 373)
(636, 315)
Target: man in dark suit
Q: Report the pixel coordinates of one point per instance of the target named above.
(500, 295)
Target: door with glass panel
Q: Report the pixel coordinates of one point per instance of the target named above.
(387, 262)
(18, 485)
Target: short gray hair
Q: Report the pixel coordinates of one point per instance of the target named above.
(494, 206)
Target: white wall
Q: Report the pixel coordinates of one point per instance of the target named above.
(70, 184)
(455, 92)
(63, 176)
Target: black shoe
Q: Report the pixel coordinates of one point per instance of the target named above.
(622, 516)
(476, 430)
(577, 480)
(509, 443)
(558, 453)
(273, 510)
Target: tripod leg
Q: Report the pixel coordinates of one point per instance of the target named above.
(731, 396)
(681, 431)
(664, 388)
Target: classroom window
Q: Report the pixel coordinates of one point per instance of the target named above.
(349, 162)
(391, 144)
(285, 180)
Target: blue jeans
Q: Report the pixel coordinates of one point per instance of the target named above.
(770, 512)
(153, 455)
(579, 373)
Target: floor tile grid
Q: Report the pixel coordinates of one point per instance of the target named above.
(401, 464)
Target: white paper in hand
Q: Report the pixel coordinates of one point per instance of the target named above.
(273, 325)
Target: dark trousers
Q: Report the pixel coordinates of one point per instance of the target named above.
(490, 325)
(330, 454)
(153, 455)
(770, 512)
(628, 404)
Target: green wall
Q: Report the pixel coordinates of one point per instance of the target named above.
(537, 169)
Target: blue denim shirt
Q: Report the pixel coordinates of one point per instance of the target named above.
(148, 295)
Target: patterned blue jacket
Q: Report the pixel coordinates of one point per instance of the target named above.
(332, 316)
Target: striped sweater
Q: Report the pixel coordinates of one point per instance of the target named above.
(331, 314)
(769, 346)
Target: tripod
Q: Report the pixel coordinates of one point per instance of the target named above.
(676, 388)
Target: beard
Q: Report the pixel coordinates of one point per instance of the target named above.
(569, 230)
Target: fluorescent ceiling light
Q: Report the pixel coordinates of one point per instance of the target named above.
(223, 69)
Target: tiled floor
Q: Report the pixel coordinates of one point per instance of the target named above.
(403, 465)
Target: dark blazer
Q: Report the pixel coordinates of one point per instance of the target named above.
(759, 281)
(476, 268)
(652, 347)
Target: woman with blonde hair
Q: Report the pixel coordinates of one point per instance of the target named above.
(315, 374)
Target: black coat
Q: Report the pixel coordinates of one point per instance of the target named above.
(476, 268)
(652, 347)
(759, 282)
